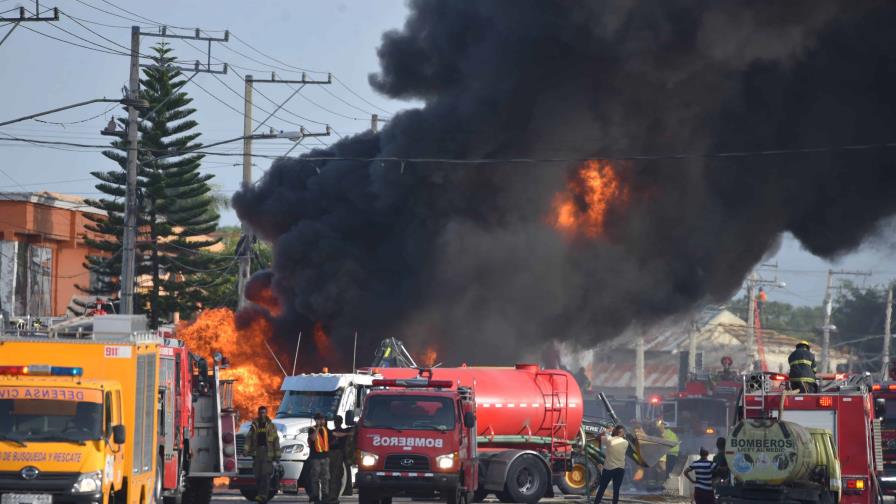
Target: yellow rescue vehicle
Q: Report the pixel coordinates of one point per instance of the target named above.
(78, 415)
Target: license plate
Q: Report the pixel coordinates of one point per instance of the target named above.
(14, 498)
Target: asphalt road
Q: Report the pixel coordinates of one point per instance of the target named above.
(233, 497)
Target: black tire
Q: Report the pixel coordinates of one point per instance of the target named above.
(527, 480)
(386, 500)
(456, 496)
(503, 496)
(199, 491)
(366, 496)
(480, 494)
(157, 483)
(584, 474)
(249, 493)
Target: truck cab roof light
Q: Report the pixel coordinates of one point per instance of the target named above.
(413, 382)
(875, 387)
(891, 386)
(42, 370)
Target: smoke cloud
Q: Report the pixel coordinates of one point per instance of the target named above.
(465, 257)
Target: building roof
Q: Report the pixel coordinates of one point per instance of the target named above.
(53, 199)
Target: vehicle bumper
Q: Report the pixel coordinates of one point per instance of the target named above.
(397, 483)
(63, 497)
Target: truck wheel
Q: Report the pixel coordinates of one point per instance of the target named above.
(527, 480)
(503, 496)
(366, 496)
(199, 491)
(456, 496)
(249, 493)
(157, 484)
(480, 494)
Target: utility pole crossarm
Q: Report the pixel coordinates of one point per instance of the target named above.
(26, 19)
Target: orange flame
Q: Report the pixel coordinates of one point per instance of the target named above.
(257, 376)
(583, 208)
(429, 356)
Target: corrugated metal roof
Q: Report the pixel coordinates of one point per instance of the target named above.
(622, 375)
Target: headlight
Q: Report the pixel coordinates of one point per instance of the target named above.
(88, 483)
(368, 459)
(293, 448)
(446, 461)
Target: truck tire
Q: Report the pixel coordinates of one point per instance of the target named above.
(457, 496)
(527, 480)
(249, 493)
(366, 496)
(480, 494)
(157, 483)
(199, 491)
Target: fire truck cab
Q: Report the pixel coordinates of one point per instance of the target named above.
(844, 408)
(417, 438)
(885, 411)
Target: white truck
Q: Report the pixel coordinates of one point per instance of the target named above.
(303, 396)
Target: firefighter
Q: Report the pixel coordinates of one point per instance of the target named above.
(319, 443)
(337, 459)
(263, 445)
(672, 455)
(802, 369)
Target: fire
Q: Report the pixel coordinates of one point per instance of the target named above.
(429, 356)
(257, 376)
(322, 341)
(583, 208)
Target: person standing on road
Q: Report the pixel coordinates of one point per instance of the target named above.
(672, 455)
(263, 445)
(722, 473)
(702, 480)
(319, 442)
(337, 460)
(803, 369)
(614, 448)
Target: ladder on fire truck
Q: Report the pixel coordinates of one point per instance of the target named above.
(556, 414)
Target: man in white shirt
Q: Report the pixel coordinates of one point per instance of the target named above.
(614, 447)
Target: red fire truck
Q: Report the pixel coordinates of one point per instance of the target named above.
(197, 423)
(417, 435)
(885, 410)
(844, 408)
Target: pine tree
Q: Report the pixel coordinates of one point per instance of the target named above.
(175, 204)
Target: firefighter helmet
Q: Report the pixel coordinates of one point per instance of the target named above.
(803, 343)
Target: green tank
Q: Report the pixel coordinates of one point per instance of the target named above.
(772, 452)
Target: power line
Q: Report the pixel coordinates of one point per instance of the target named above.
(114, 53)
(79, 121)
(275, 59)
(359, 96)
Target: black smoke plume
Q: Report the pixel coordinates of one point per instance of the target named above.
(464, 255)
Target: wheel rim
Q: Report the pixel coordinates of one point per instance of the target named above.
(157, 488)
(525, 481)
(576, 477)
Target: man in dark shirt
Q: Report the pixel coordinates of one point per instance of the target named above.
(337, 459)
(802, 369)
(721, 473)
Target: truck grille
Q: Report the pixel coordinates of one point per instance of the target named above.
(44, 482)
(407, 463)
(240, 443)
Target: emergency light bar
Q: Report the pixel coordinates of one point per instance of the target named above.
(41, 370)
(412, 382)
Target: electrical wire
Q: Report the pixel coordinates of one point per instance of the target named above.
(114, 53)
(350, 90)
(79, 121)
(300, 69)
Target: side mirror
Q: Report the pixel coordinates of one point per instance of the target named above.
(349, 418)
(469, 420)
(118, 435)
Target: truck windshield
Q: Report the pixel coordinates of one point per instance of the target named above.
(304, 404)
(889, 419)
(409, 412)
(50, 414)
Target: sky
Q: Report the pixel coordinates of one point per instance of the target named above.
(323, 36)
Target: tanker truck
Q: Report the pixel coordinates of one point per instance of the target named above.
(778, 461)
(463, 433)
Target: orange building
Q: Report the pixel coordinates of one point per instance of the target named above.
(42, 252)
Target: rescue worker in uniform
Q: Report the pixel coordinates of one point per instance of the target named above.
(263, 445)
(672, 455)
(319, 443)
(337, 459)
(803, 369)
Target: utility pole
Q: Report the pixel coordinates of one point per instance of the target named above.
(22, 18)
(885, 365)
(248, 238)
(692, 347)
(753, 281)
(375, 122)
(639, 368)
(129, 240)
(828, 308)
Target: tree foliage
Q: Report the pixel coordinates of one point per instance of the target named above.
(176, 209)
